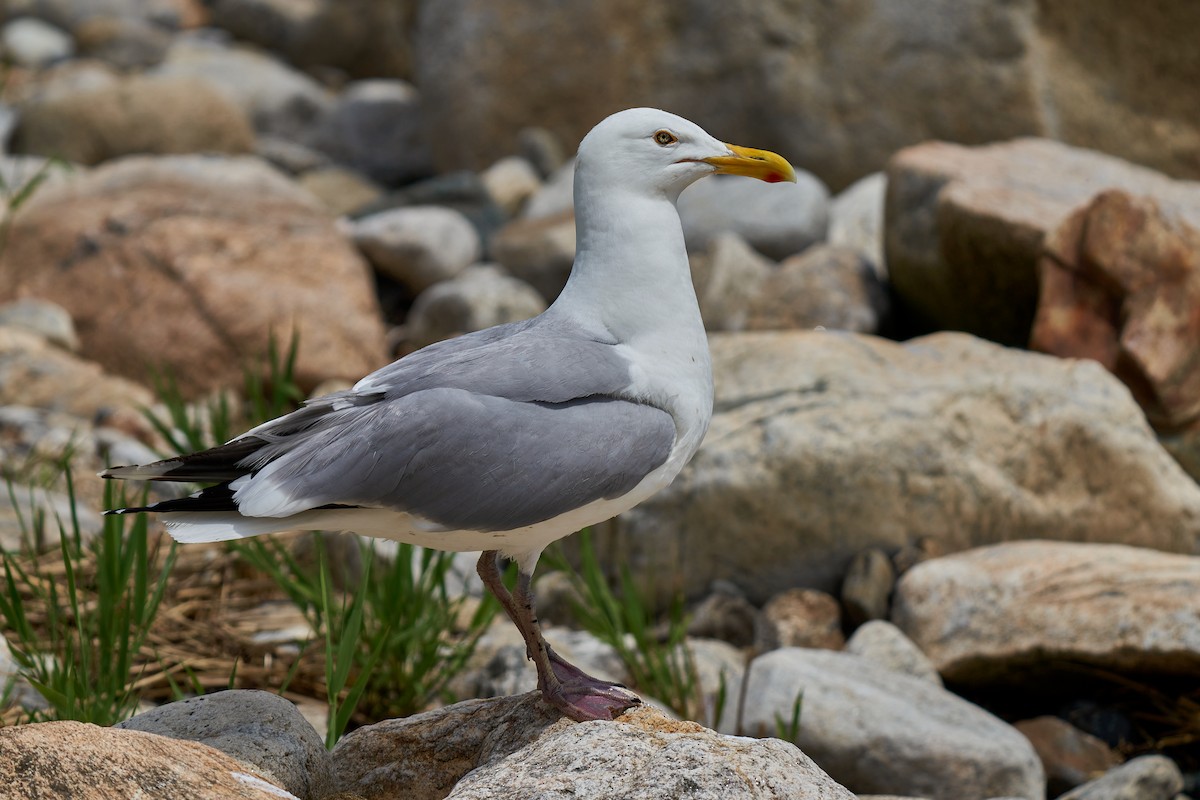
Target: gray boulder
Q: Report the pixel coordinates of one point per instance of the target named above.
(516, 747)
(879, 731)
(260, 729)
(1002, 609)
(778, 221)
(824, 445)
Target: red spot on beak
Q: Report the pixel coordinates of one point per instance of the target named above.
(773, 177)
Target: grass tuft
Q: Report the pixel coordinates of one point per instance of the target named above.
(99, 601)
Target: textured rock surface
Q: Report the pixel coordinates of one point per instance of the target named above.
(276, 98)
(825, 286)
(778, 222)
(836, 92)
(48, 320)
(856, 219)
(134, 115)
(728, 277)
(209, 255)
(823, 445)
(878, 731)
(538, 250)
(511, 181)
(1144, 778)
(29, 42)
(479, 297)
(965, 226)
(376, 128)
(36, 373)
(883, 643)
(514, 747)
(263, 731)
(1001, 609)
(362, 37)
(1069, 756)
(1119, 284)
(418, 245)
(799, 618)
(867, 587)
(54, 760)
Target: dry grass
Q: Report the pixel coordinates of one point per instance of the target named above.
(207, 629)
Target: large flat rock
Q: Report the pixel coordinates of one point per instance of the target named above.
(1000, 610)
(878, 731)
(827, 444)
(189, 264)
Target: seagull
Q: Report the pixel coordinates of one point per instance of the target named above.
(510, 438)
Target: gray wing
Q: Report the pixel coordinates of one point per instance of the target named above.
(490, 431)
(468, 461)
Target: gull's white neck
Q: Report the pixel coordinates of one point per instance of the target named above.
(631, 275)
(632, 283)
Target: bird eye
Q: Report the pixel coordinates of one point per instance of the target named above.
(665, 138)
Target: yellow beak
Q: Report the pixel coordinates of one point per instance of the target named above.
(761, 164)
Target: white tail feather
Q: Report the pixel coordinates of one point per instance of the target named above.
(200, 526)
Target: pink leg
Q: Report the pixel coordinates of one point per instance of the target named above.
(566, 687)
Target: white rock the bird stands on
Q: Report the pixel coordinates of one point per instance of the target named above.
(507, 439)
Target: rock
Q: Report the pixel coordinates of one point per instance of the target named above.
(1001, 609)
(556, 196)
(134, 115)
(124, 42)
(725, 614)
(799, 618)
(261, 730)
(867, 587)
(66, 79)
(516, 747)
(1069, 756)
(965, 227)
(856, 220)
(295, 158)
(720, 671)
(538, 250)
(376, 128)
(888, 76)
(1119, 280)
(1143, 778)
(68, 14)
(1094, 101)
(50, 321)
(275, 98)
(511, 181)
(824, 445)
(838, 93)
(461, 191)
(29, 42)
(342, 191)
(825, 286)
(479, 297)
(241, 254)
(883, 643)
(87, 762)
(40, 374)
(777, 223)
(361, 37)
(878, 731)
(418, 246)
(729, 278)
(543, 149)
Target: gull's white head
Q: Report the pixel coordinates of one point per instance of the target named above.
(658, 153)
